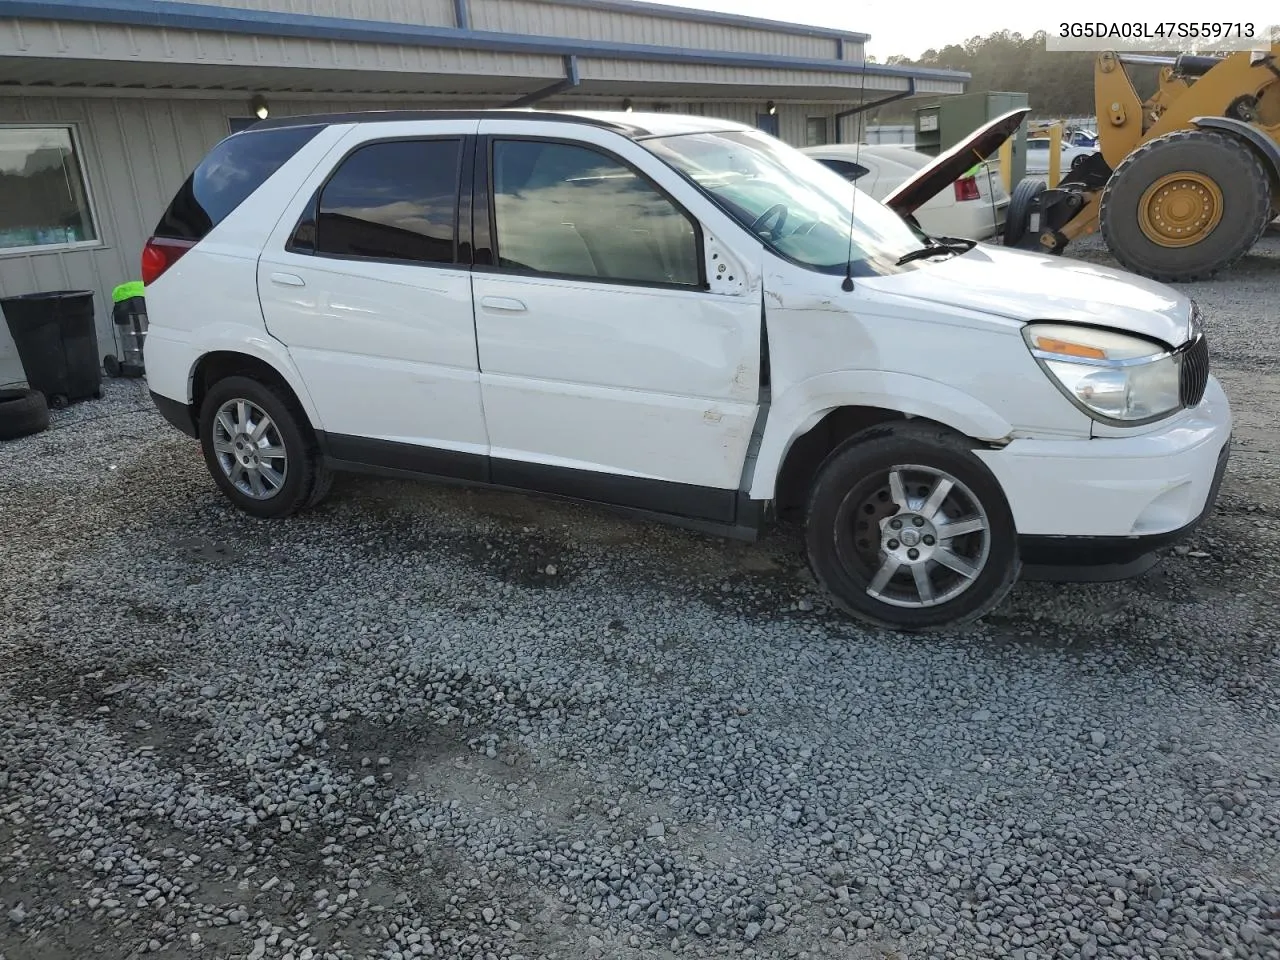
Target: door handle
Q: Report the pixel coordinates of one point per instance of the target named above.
(505, 304)
(288, 280)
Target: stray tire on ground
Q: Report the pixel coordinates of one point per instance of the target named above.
(22, 413)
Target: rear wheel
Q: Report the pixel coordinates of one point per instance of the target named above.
(907, 529)
(259, 448)
(1185, 206)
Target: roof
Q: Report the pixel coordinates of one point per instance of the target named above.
(637, 126)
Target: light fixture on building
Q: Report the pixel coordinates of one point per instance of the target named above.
(259, 106)
(772, 108)
(627, 105)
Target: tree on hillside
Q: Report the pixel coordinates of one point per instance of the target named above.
(1057, 83)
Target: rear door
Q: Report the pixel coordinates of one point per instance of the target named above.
(363, 281)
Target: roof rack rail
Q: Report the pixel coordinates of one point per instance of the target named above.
(391, 116)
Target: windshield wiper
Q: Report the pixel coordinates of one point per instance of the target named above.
(932, 250)
(958, 244)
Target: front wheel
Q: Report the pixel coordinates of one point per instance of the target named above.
(259, 448)
(907, 529)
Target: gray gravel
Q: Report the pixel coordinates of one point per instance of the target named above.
(422, 722)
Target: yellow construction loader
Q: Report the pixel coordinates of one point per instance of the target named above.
(1184, 182)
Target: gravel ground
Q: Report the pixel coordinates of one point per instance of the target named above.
(423, 722)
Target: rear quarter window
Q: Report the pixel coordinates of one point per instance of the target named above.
(226, 177)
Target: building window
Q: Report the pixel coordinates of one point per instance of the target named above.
(395, 200)
(44, 201)
(569, 211)
(815, 132)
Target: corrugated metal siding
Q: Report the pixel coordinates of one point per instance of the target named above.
(430, 13)
(534, 18)
(539, 18)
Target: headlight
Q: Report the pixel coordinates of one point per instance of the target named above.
(1112, 376)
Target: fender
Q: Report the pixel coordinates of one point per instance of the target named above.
(181, 352)
(1263, 145)
(807, 402)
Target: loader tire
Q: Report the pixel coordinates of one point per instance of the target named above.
(1017, 220)
(1185, 206)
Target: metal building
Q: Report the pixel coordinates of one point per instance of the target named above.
(107, 105)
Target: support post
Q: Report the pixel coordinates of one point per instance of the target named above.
(1055, 154)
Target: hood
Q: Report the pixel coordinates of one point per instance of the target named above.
(1023, 285)
(948, 167)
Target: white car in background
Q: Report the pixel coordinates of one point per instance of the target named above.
(1038, 156)
(974, 207)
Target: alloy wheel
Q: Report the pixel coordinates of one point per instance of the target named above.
(915, 536)
(250, 449)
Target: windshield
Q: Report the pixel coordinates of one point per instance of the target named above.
(797, 206)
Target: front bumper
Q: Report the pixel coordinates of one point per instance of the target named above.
(1107, 504)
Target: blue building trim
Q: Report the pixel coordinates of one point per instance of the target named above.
(461, 15)
(176, 15)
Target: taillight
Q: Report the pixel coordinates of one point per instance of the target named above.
(967, 189)
(159, 255)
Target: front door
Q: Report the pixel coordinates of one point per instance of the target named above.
(370, 297)
(608, 370)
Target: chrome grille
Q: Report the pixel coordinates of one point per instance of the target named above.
(1194, 375)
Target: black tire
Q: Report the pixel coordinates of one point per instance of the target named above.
(304, 466)
(323, 484)
(1017, 219)
(58, 401)
(1078, 159)
(111, 365)
(22, 413)
(1246, 205)
(843, 562)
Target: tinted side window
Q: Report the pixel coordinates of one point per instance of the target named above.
(392, 201)
(571, 211)
(846, 168)
(226, 177)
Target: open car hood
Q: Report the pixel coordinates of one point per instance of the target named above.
(948, 167)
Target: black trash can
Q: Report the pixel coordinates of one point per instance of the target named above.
(57, 343)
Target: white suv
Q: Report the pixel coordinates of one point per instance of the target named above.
(678, 317)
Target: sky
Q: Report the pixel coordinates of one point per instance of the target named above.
(913, 27)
